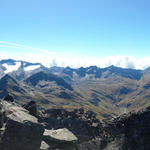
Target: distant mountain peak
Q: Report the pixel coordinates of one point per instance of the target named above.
(23, 67)
(8, 61)
(10, 65)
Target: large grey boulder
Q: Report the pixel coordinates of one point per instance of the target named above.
(22, 131)
(61, 139)
(60, 135)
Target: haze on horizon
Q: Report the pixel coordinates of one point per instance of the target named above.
(76, 33)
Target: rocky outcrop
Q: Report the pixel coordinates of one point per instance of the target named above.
(21, 130)
(71, 130)
(9, 98)
(127, 132)
(83, 124)
(31, 107)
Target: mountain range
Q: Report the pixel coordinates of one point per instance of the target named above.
(108, 91)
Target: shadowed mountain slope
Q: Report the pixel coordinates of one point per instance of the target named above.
(36, 78)
(9, 85)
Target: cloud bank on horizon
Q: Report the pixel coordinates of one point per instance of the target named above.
(49, 58)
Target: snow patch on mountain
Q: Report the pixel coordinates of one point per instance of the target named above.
(10, 68)
(29, 68)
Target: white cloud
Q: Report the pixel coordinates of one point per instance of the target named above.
(19, 46)
(50, 58)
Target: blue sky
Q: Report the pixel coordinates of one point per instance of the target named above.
(86, 30)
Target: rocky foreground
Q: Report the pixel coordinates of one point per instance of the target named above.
(24, 128)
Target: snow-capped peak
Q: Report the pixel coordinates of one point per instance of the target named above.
(11, 65)
(32, 67)
(10, 68)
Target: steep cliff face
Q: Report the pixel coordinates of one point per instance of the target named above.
(20, 130)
